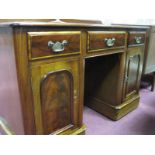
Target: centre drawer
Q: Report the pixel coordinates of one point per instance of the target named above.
(53, 44)
(104, 40)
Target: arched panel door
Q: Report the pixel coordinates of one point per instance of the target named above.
(56, 96)
(133, 71)
(57, 101)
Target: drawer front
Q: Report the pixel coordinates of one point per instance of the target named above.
(103, 40)
(52, 44)
(136, 38)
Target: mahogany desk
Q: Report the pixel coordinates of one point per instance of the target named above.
(50, 69)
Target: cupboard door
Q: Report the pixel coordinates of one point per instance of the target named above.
(133, 71)
(56, 95)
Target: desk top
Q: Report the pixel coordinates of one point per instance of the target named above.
(63, 23)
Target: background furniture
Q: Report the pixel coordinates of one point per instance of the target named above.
(148, 80)
(55, 67)
(149, 59)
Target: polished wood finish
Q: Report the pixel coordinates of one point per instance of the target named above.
(75, 131)
(57, 101)
(132, 38)
(53, 20)
(24, 80)
(134, 63)
(115, 112)
(66, 23)
(103, 79)
(106, 83)
(56, 96)
(38, 43)
(52, 86)
(81, 21)
(97, 42)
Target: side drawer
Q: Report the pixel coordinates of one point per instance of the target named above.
(104, 40)
(136, 38)
(52, 44)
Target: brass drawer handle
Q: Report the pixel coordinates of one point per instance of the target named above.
(57, 46)
(110, 42)
(138, 40)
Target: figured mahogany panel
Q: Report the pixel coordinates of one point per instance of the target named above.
(38, 43)
(56, 101)
(133, 36)
(133, 71)
(97, 40)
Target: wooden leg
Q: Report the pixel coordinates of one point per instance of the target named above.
(153, 82)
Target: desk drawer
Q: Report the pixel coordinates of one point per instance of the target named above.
(136, 38)
(103, 40)
(52, 44)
